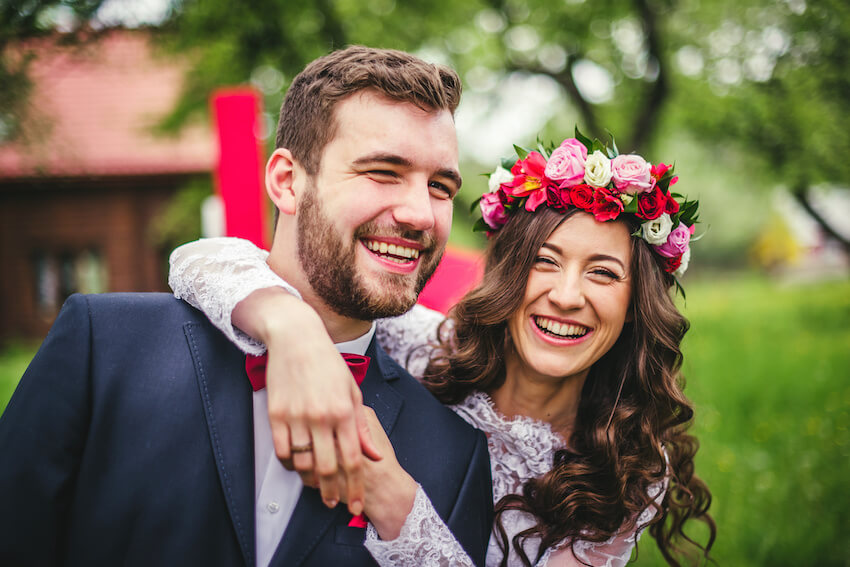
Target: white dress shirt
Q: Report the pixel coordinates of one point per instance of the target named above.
(278, 489)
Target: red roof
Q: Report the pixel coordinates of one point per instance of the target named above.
(94, 109)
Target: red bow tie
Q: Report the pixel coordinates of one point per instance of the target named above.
(255, 368)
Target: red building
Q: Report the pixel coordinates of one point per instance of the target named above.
(80, 189)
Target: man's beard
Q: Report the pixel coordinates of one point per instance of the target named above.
(329, 264)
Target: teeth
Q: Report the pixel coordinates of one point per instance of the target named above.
(560, 329)
(393, 249)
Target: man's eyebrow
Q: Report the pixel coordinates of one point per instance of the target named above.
(394, 159)
(594, 258)
(380, 157)
(451, 174)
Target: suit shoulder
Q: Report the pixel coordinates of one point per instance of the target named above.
(420, 404)
(141, 304)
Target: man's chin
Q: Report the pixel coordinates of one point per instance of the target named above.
(389, 300)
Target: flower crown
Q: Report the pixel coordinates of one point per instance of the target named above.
(588, 175)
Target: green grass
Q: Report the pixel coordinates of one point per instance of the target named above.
(14, 359)
(768, 369)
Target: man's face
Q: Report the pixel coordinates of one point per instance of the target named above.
(373, 225)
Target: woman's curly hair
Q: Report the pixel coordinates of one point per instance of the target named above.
(632, 421)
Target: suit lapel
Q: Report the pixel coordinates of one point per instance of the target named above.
(311, 519)
(228, 408)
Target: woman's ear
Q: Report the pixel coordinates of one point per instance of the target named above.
(280, 172)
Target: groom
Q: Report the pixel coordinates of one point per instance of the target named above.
(135, 438)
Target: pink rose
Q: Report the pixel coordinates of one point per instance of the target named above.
(631, 174)
(677, 242)
(566, 164)
(492, 210)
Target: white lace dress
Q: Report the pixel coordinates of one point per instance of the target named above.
(215, 274)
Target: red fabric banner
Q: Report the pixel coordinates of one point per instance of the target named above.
(239, 173)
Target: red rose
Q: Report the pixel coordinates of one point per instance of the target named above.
(582, 196)
(606, 206)
(672, 264)
(651, 204)
(558, 199)
(671, 207)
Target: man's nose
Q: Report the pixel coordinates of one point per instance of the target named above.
(414, 207)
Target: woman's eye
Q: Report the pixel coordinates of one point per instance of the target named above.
(604, 272)
(544, 260)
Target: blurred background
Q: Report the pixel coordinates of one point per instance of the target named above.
(108, 149)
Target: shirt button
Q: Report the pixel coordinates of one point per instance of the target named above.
(273, 507)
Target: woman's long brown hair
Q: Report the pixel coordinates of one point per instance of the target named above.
(599, 486)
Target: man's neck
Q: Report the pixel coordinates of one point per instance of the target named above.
(339, 327)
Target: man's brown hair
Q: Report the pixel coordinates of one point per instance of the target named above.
(307, 123)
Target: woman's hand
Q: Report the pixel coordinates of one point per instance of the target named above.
(390, 491)
(312, 396)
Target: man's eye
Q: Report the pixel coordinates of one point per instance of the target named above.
(442, 188)
(382, 173)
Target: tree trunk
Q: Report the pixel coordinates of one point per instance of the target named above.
(801, 195)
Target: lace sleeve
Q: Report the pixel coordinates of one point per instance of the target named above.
(214, 274)
(408, 338)
(615, 552)
(425, 540)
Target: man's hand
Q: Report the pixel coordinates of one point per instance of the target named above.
(390, 490)
(313, 399)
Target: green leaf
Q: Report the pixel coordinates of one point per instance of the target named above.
(679, 288)
(508, 163)
(588, 143)
(481, 226)
(521, 152)
(474, 206)
(614, 145)
(598, 146)
(632, 207)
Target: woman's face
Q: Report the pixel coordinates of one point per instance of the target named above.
(576, 299)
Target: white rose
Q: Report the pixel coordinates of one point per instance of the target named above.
(597, 169)
(656, 231)
(501, 175)
(686, 258)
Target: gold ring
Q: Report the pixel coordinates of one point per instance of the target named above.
(302, 448)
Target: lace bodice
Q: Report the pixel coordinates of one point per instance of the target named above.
(215, 274)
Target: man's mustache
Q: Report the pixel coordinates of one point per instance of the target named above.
(424, 239)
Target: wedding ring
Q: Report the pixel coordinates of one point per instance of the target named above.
(306, 448)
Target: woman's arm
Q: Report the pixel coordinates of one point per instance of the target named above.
(404, 528)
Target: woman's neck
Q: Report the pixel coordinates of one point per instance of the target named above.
(554, 401)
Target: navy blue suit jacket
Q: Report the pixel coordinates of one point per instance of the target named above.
(129, 441)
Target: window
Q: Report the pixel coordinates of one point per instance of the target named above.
(59, 274)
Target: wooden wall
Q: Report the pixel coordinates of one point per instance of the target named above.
(107, 218)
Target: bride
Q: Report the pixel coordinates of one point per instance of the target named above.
(567, 356)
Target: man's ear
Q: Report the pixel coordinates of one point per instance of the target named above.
(280, 173)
